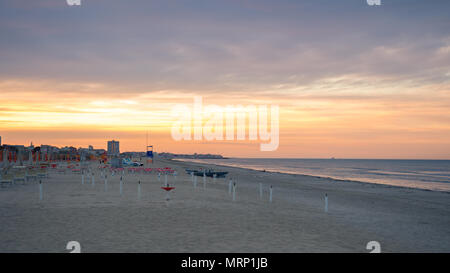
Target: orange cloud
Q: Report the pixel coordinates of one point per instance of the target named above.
(352, 120)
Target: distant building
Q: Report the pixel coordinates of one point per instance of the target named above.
(0, 141)
(113, 148)
(47, 149)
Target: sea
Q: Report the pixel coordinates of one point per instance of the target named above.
(422, 174)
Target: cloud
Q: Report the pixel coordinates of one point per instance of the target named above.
(214, 45)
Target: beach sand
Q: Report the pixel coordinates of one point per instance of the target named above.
(208, 220)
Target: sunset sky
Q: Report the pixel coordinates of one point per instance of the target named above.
(351, 80)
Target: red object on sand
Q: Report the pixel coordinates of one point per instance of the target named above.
(168, 188)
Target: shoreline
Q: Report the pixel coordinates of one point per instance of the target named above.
(311, 176)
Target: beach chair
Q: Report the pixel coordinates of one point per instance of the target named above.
(31, 175)
(19, 176)
(6, 179)
(62, 170)
(42, 173)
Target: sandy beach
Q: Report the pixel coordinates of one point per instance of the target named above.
(208, 220)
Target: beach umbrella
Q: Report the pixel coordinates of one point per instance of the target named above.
(5, 157)
(20, 157)
(167, 189)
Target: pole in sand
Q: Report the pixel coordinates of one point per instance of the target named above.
(195, 181)
(260, 191)
(229, 186)
(167, 189)
(82, 179)
(192, 177)
(139, 190)
(165, 180)
(93, 179)
(234, 191)
(106, 182)
(326, 202)
(121, 185)
(214, 178)
(270, 194)
(204, 180)
(40, 190)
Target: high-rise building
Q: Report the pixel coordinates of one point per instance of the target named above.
(0, 140)
(113, 147)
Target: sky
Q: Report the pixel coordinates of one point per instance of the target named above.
(351, 80)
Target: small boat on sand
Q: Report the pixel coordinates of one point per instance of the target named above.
(208, 173)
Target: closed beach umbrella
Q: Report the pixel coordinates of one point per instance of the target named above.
(4, 157)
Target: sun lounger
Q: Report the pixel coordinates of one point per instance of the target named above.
(20, 176)
(42, 173)
(6, 179)
(31, 175)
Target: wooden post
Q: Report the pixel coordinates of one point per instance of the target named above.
(270, 194)
(139, 190)
(234, 191)
(121, 186)
(40, 190)
(204, 180)
(260, 191)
